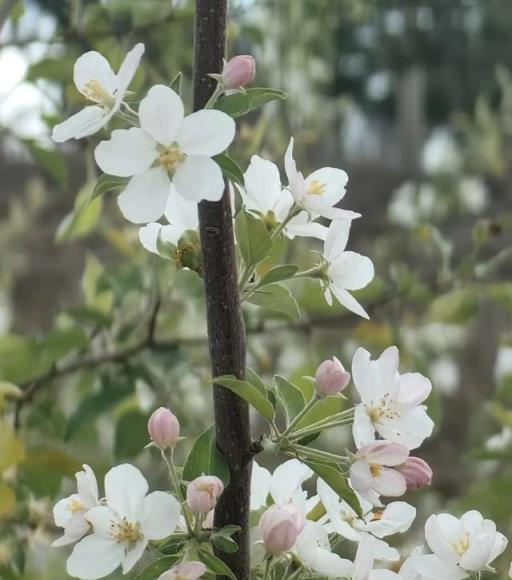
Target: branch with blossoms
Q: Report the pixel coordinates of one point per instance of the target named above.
(163, 164)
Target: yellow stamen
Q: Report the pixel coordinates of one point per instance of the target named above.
(94, 92)
(171, 157)
(75, 506)
(384, 409)
(462, 545)
(375, 469)
(316, 187)
(124, 532)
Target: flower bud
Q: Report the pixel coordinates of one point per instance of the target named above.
(203, 492)
(238, 72)
(163, 428)
(185, 571)
(280, 526)
(417, 473)
(331, 377)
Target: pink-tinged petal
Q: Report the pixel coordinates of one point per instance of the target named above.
(128, 68)
(87, 121)
(363, 430)
(206, 132)
(161, 114)
(92, 66)
(336, 239)
(351, 271)
(134, 555)
(389, 483)
(348, 301)
(161, 515)
(128, 152)
(94, 557)
(333, 182)
(442, 533)
(125, 488)
(384, 453)
(144, 198)
(198, 178)
(414, 389)
(433, 568)
(477, 556)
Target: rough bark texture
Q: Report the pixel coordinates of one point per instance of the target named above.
(226, 331)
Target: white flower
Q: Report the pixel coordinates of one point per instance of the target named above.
(318, 192)
(397, 517)
(96, 80)
(168, 146)
(471, 542)
(69, 513)
(122, 529)
(345, 270)
(182, 215)
(419, 566)
(390, 402)
(264, 193)
(364, 561)
(284, 485)
(313, 549)
(372, 474)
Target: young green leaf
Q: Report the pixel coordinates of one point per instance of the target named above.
(255, 380)
(106, 183)
(214, 564)
(156, 568)
(277, 298)
(239, 104)
(277, 274)
(290, 397)
(253, 239)
(205, 458)
(249, 393)
(335, 479)
(230, 168)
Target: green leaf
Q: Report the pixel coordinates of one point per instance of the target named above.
(290, 397)
(54, 69)
(214, 564)
(176, 82)
(253, 239)
(84, 217)
(284, 272)
(50, 160)
(326, 407)
(255, 380)
(249, 393)
(277, 298)
(230, 168)
(457, 306)
(95, 297)
(106, 183)
(205, 458)
(225, 544)
(155, 569)
(62, 341)
(239, 104)
(335, 479)
(131, 434)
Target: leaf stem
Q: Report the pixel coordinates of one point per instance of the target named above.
(298, 417)
(175, 480)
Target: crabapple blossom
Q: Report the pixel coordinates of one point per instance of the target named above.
(203, 493)
(96, 80)
(185, 571)
(238, 72)
(331, 377)
(264, 193)
(344, 270)
(390, 402)
(280, 526)
(70, 513)
(365, 559)
(417, 473)
(122, 528)
(372, 474)
(168, 147)
(163, 428)
(470, 542)
(320, 191)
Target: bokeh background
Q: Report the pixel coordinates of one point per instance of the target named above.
(412, 98)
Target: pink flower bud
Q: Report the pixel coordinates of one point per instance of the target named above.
(331, 377)
(163, 428)
(238, 72)
(280, 525)
(185, 571)
(417, 473)
(203, 492)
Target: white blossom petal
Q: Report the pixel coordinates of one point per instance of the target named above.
(94, 557)
(86, 122)
(333, 182)
(125, 488)
(128, 68)
(198, 178)
(134, 555)
(87, 486)
(128, 152)
(262, 185)
(390, 483)
(144, 198)
(348, 301)
(351, 271)
(336, 239)
(161, 515)
(260, 486)
(161, 114)
(206, 132)
(363, 430)
(93, 66)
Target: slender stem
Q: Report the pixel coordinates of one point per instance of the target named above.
(314, 272)
(315, 453)
(268, 566)
(315, 428)
(324, 423)
(215, 95)
(298, 417)
(175, 480)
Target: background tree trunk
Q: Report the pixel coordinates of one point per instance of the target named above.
(226, 331)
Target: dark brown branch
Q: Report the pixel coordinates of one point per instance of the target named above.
(226, 331)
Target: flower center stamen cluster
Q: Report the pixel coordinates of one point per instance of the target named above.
(462, 545)
(125, 532)
(170, 157)
(384, 409)
(75, 506)
(93, 91)
(316, 187)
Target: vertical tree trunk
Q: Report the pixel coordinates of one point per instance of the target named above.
(226, 331)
